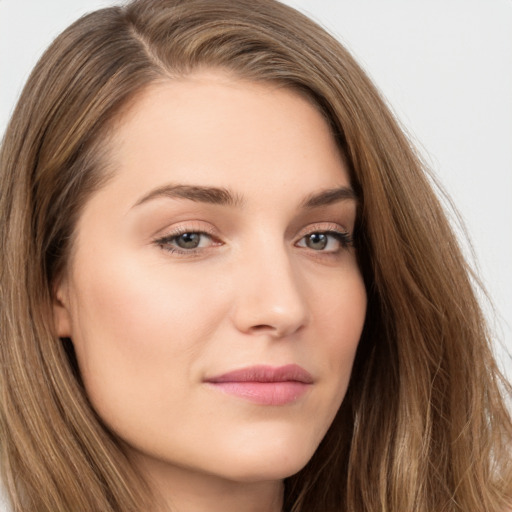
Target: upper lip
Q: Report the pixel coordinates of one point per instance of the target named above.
(263, 373)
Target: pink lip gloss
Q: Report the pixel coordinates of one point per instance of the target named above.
(265, 385)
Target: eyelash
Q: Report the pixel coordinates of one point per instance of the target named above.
(344, 238)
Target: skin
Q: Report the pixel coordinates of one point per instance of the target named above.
(150, 321)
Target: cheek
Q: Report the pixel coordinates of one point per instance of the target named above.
(339, 317)
(138, 331)
(136, 305)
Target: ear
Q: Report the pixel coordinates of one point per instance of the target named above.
(61, 310)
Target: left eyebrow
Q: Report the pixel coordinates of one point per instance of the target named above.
(327, 197)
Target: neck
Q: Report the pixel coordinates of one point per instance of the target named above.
(181, 490)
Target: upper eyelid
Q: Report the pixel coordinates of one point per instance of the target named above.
(194, 226)
(211, 231)
(323, 227)
(198, 226)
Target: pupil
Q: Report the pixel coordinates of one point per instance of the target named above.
(188, 240)
(317, 241)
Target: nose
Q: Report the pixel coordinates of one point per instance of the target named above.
(271, 295)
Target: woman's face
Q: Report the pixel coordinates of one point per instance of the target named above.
(213, 296)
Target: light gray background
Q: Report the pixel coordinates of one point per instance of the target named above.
(445, 67)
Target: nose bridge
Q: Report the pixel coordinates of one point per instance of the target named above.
(271, 296)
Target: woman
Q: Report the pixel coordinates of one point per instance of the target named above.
(227, 284)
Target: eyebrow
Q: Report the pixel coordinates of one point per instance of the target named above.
(200, 194)
(224, 197)
(327, 197)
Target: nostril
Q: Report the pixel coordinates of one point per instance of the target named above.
(274, 330)
(262, 327)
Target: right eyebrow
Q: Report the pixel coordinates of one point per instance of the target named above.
(201, 194)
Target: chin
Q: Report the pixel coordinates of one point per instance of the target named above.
(275, 461)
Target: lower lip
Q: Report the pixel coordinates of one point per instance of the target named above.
(265, 393)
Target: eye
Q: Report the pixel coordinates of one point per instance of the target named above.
(186, 242)
(326, 241)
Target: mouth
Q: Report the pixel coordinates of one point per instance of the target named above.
(265, 385)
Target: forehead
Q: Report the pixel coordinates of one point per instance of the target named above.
(213, 129)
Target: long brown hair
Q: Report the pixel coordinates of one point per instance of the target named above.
(424, 425)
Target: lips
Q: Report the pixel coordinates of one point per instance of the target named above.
(265, 385)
